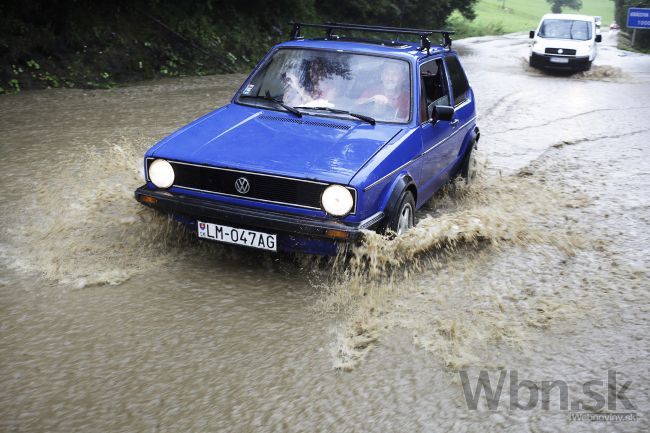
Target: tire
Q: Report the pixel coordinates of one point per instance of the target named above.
(469, 166)
(588, 67)
(402, 217)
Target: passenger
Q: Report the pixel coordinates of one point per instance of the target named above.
(312, 85)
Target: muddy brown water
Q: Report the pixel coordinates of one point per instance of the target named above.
(114, 319)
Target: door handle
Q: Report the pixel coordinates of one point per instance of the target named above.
(454, 122)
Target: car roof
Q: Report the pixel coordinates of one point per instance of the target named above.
(405, 49)
(568, 17)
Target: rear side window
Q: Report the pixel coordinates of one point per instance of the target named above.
(459, 84)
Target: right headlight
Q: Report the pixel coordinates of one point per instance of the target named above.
(161, 173)
(337, 200)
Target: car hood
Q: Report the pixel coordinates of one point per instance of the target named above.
(259, 140)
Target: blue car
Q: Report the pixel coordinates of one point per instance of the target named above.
(328, 137)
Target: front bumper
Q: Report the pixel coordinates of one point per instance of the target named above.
(544, 61)
(295, 232)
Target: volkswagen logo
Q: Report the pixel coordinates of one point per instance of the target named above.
(242, 185)
(560, 51)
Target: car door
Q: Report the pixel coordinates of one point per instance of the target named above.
(434, 90)
(463, 108)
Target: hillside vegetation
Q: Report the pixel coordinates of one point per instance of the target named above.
(93, 44)
(520, 15)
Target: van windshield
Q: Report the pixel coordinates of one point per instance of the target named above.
(565, 29)
(378, 87)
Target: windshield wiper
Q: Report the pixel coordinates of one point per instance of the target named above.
(289, 108)
(337, 111)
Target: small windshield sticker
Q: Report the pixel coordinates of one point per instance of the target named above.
(248, 89)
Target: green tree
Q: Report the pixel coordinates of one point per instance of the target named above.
(557, 5)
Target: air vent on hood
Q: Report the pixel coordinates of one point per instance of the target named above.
(305, 122)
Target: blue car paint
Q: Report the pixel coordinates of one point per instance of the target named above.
(370, 158)
(332, 150)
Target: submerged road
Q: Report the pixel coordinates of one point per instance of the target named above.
(114, 319)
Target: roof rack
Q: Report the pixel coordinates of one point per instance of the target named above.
(424, 34)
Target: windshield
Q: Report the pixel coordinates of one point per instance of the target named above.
(373, 86)
(565, 29)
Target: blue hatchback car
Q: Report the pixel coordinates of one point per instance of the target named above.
(327, 137)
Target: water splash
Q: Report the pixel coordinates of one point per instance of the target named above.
(427, 280)
(89, 229)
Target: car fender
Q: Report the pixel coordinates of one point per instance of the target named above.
(471, 139)
(394, 192)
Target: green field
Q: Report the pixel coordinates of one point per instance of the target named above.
(520, 15)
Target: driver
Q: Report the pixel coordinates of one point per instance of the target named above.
(391, 98)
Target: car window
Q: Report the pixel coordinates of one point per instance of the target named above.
(459, 83)
(565, 29)
(379, 87)
(433, 87)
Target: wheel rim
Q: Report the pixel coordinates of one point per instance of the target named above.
(405, 221)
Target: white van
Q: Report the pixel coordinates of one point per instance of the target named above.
(564, 41)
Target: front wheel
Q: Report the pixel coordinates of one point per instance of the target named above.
(402, 218)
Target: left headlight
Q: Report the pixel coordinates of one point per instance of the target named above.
(584, 49)
(337, 200)
(161, 173)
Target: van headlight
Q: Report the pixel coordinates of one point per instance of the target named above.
(337, 200)
(161, 173)
(584, 50)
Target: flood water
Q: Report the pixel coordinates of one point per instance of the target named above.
(112, 318)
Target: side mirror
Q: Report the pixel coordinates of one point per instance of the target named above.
(440, 112)
(599, 38)
(531, 34)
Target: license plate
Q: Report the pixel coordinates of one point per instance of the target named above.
(559, 60)
(233, 235)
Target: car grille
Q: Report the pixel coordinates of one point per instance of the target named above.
(263, 187)
(565, 51)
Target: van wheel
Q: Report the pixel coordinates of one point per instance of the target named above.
(402, 218)
(470, 165)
